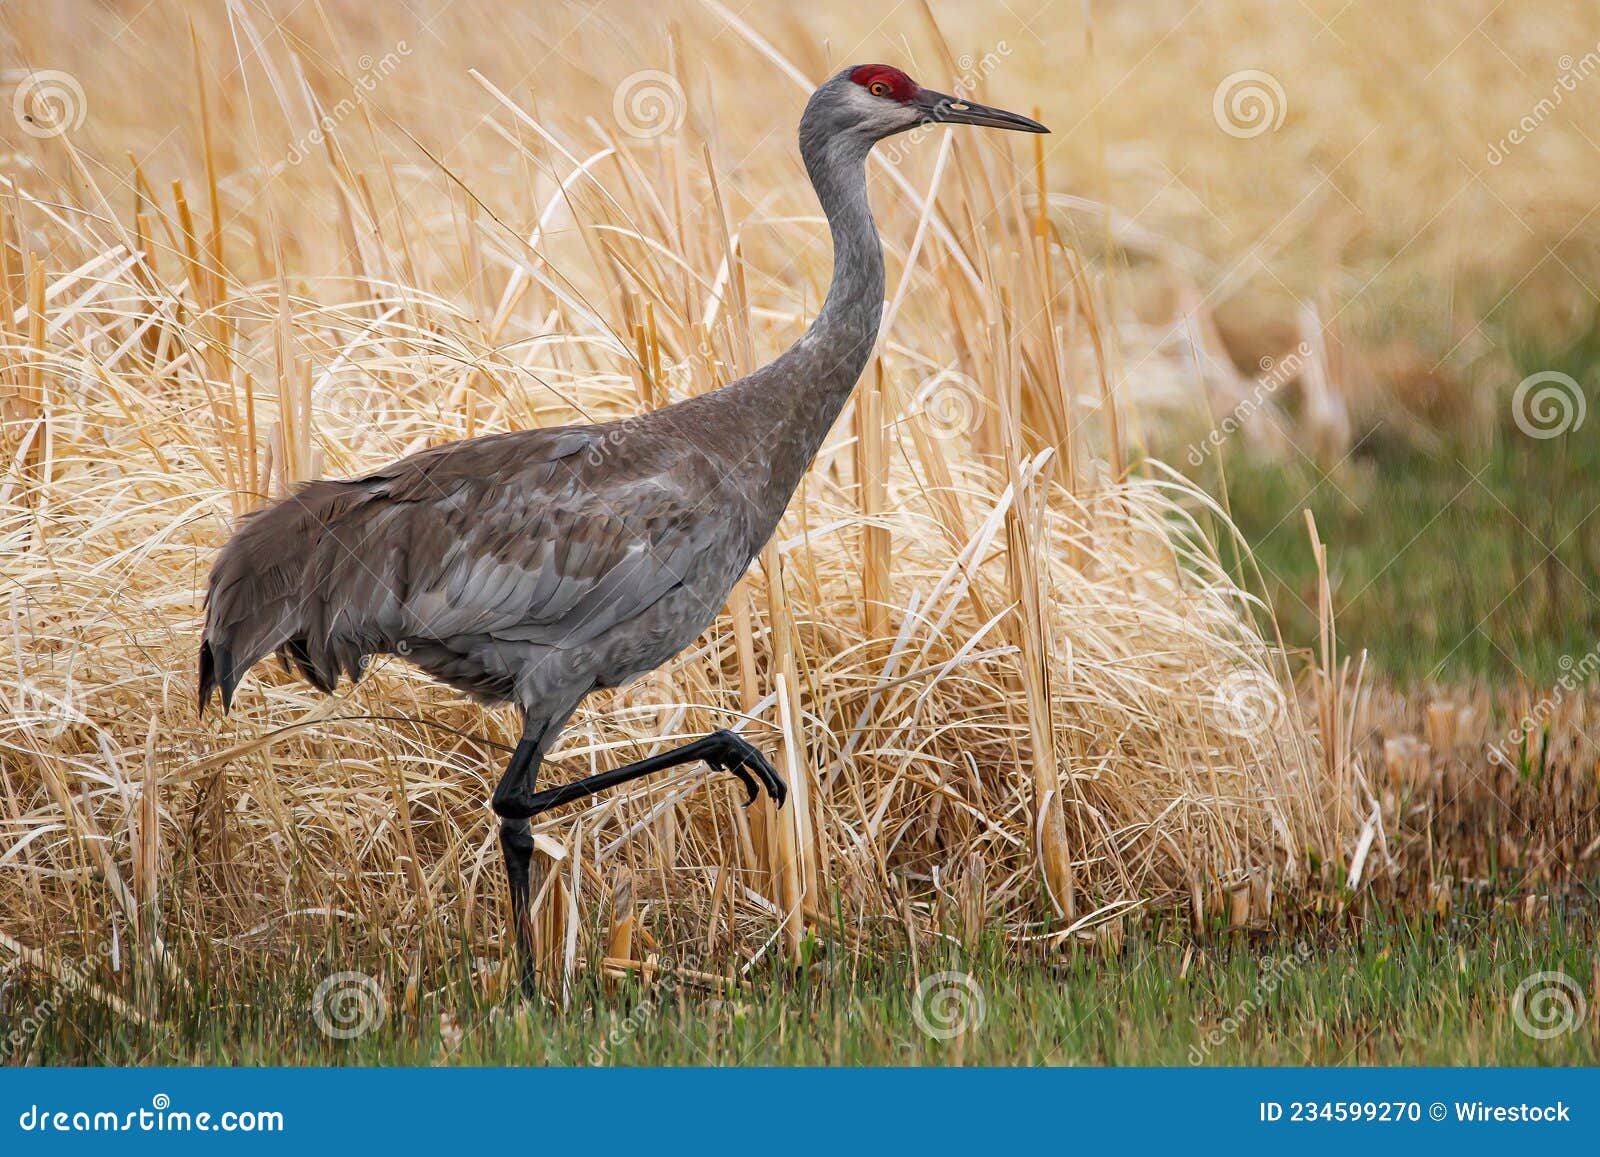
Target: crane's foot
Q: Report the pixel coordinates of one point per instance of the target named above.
(737, 756)
(723, 750)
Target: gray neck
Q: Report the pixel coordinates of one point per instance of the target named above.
(802, 392)
(848, 321)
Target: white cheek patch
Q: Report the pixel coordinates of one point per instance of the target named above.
(861, 100)
(878, 110)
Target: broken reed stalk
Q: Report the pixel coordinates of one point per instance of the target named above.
(616, 967)
(793, 854)
(145, 839)
(619, 943)
(872, 472)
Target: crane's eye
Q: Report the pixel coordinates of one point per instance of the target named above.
(878, 88)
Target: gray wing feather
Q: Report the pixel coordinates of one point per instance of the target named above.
(518, 538)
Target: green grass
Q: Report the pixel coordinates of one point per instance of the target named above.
(1414, 992)
(1450, 564)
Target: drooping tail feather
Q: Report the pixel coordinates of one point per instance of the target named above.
(209, 677)
(263, 587)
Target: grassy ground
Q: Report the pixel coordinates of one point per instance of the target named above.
(1416, 992)
(1454, 562)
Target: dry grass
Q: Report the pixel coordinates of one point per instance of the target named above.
(1005, 675)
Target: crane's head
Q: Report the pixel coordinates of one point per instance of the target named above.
(873, 101)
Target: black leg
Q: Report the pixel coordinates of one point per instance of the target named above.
(515, 788)
(516, 841)
(721, 749)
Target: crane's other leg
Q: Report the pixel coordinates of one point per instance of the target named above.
(512, 803)
(721, 749)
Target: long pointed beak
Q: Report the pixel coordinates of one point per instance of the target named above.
(938, 108)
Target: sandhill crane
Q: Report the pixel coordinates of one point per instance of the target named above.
(534, 567)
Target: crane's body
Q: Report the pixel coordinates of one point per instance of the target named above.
(537, 566)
